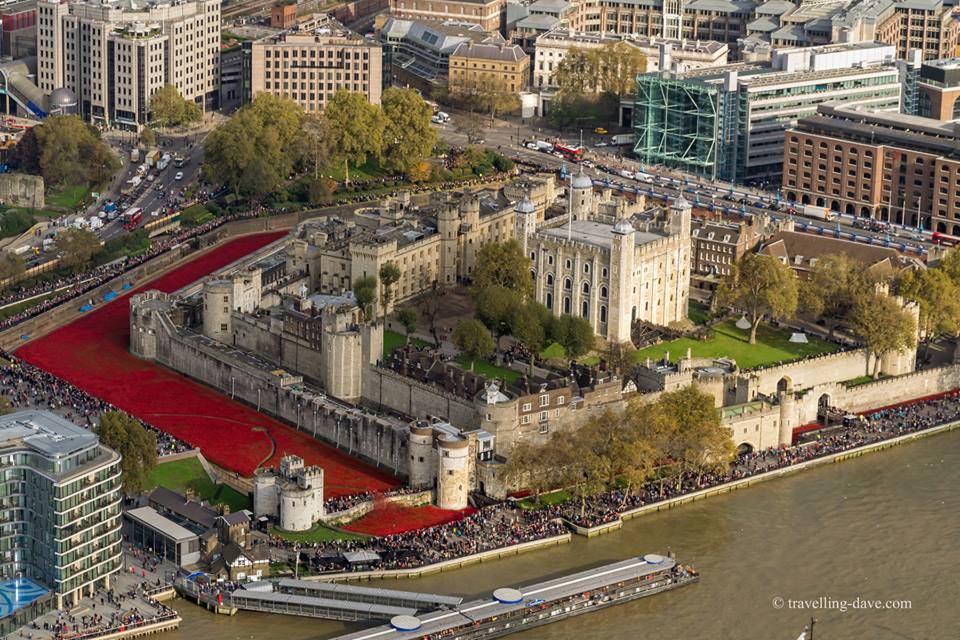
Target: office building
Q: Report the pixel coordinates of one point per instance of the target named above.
(115, 55)
(417, 53)
(938, 90)
(486, 13)
(60, 514)
(728, 123)
(889, 167)
(19, 36)
(489, 64)
(309, 67)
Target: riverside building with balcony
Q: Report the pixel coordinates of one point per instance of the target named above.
(60, 492)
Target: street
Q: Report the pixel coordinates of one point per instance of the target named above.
(733, 202)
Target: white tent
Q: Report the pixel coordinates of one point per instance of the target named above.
(800, 338)
(743, 323)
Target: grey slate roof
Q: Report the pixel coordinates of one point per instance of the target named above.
(193, 511)
(775, 8)
(763, 24)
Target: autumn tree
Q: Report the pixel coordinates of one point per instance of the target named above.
(356, 129)
(408, 137)
(503, 264)
(529, 467)
(255, 151)
(939, 300)
(389, 275)
(407, 317)
(617, 66)
(365, 292)
(6, 406)
(428, 306)
(703, 442)
(473, 339)
(759, 286)
(318, 139)
(170, 109)
(835, 285)
(495, 308)
(147, 138)
(137, 446)
(883, 326)
(66, 150)
(77, 246)
(12, 266)
(577, 73)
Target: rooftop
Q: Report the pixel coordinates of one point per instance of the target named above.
(596, 233)
(150, 517)
(44, 432)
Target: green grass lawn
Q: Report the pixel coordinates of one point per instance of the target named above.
(484, 368)
(67, 197)
(393, 340)
(14, 309)
(698, 312)
(555, 350)
(772, 346)
(319, 533)
(546, 500)
(180, 475)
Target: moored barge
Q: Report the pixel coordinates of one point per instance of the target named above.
(511, 610)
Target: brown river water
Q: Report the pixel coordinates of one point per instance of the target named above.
(885, 526)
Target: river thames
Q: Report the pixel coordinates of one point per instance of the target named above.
(883, 527)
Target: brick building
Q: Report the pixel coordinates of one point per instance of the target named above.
(889, 167)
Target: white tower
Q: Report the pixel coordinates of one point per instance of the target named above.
(581, 196)
(622, 258)
(525, 221)
(453, 473)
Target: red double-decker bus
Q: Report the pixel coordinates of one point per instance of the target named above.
(944, 239)
(573, 154)
(132, 218)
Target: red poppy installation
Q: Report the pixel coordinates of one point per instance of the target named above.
(92, 354)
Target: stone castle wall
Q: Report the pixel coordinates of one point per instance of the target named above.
(360, 434)
(21, 190)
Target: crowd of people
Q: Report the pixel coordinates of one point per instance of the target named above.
(506, 524)
(28, 387)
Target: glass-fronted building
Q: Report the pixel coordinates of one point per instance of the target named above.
(728, 123)
(60, 492)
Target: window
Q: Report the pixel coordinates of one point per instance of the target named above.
(567, 264)
(544, 427)
(525, 420)
(544, 401)
(567, 284)
(526, 406)
(544, 416)
(561, 399)
(585, 288)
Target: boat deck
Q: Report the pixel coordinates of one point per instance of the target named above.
(510, 610)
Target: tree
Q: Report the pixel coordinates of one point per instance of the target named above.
(495, 308)
(574, 334)
(703, 442)
(883, 326)
(6, 406)
(529, 467)
(66, 150)
(170, 109)
(429, 307)
(408, 137)
(631, 459)
(77, 246)
(125, 435)
(365, 292)
(12, 266)
(473, 340)
(833, 288)
(318, 139)
(527, 325)
(320, 188)
(503, 264)
(576, 74)
(471, 128)
(356, 129)
(938, 298)
(389, 276)
(620, 356)
(582, 463)
(408, 318)
(255, 151)
(759, 285)
(147, 138)
(617, 66)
